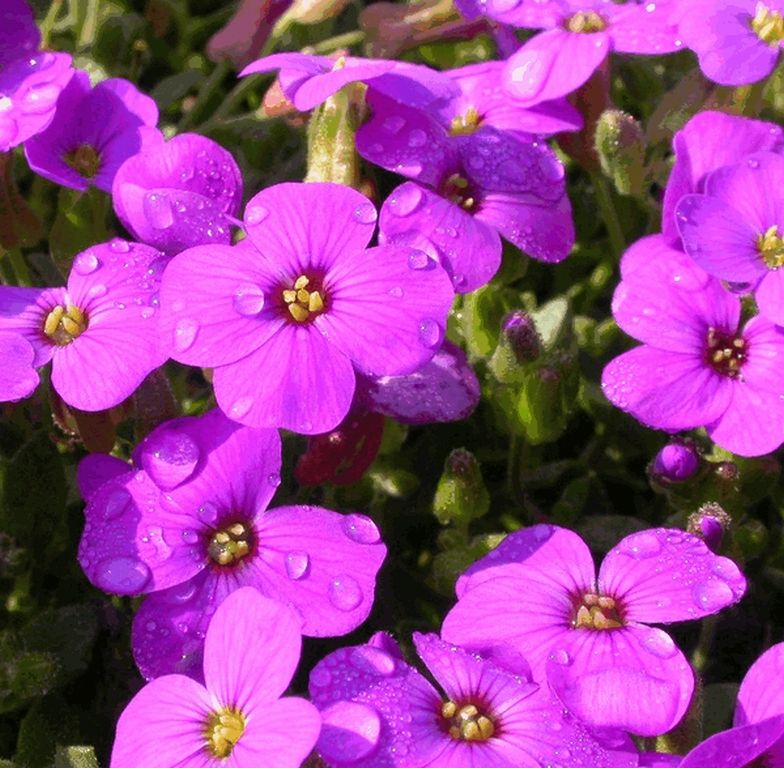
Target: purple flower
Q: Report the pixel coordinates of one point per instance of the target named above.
(735, 43)
(698, 366)
(579, 35)
(379, 712)
(18, 377)
(675, 462)
(473, 184)
(93, 132)
(30, 80)
(179, 194)
(191, 525)
(286, 316)
(237, 718)
(100, 331)
(539, 592)
(735, 231)
(308, 81)
(711, 140)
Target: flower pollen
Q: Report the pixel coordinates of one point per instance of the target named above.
(585, 22)
(63, 324)
(771, 248)
(457, 190)
(85, 160)
(301, 302)
(768, 25)
(223, 730)
(467, 722)
(595, 611)
(230, 544)
(465, 124)
(726, 353)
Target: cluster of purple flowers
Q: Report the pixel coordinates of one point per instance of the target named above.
(307, 327)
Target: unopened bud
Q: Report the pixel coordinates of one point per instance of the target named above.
(709, 523)
(675, 463)
(461, 495)
(518, 344)
(620, 144)
(314, 11)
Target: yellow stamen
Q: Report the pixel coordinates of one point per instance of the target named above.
(301, 302)
(223, 730)
(597, 612)
(768, 25)
(585, 22)
(467, 723)
(62, 325)
(84, 160)
(229, 545)
(465, 124)
(771, 247)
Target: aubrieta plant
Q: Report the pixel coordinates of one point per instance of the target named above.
(391, 385)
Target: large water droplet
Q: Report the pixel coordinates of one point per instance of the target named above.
(641, 545)
(185, 334)
(344, 593)
(361, 529)
(170, 458)
(373, 660)
(712, 595)
(256, 214)
(396, 292)
(430, 333)
(40, 98)
(406, 200)
(417, 138)
(158, 210)
(120, 246)
(208, 513)
(660, 644)
(182, 593)
(241, 407)
(122, 575)
(419, 260)
(297, 565)
(86, 263)
(561, 657)
(365, 213)
(393, 124)
(116, 504)
(248, 299)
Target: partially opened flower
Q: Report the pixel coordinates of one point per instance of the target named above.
(287, 315)
(308, 80)
(578, 35)
(379, 712)
(589, 633)
(735, 231)
(190, 525)
(180, 193)
(711, 140)
(472, 184)
(698, 365)
(237, 718)
(93, 132)
(735, 45)
(30, 80)
(100, 331)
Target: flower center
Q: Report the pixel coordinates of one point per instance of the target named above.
(84, 160)
(596, 611)
(230, 544)
(726, 353)
(465, 124)
(768, 25)
(301, 302)
(467, 722)
(456, 189)
(771, 247)
(64, 324)
(223, 730)
(585, 22)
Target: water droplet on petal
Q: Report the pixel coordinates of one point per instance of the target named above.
(365, 213)
(248, 299)
(297, 565)
(430, 333)
(417, 138)
(396, 292)
(405, 200)
(158, 210)
(40, 98)
(120, 246)
(116, 504)
(86, 263)
(640, 545)
(185, 334)
(208, 513)
(240, 407)
(97, 290)
(418, 260)
(182, 593)
(712, 595)
(361, 529)
(122, 575)
(366, 658)
(256, 214)
(393, 124)
(320, 677)
(190, 536)
(660, 644)
(344, 593)
(561, 657)
(170, 458)
(273, 479)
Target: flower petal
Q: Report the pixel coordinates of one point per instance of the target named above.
(23, 312)
(18, 377)
(95, 469)
(757, 698)
(739, 747)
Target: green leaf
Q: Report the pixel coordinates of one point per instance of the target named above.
(80, 222)
(75, 757)
(49, 722)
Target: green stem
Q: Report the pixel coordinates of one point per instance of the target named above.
(20, 268)
(208, 89)
(89, 24)
(51, 17)
(609, 214)
(701, 653)
(346, 40)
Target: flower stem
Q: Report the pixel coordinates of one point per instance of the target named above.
(19, 267)
(48, 23)
(208, 89)
(609, 214)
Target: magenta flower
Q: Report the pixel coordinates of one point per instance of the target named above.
(675, 462)
(100, 331)
(93, 132)
(736, 43)
(30, 80)
(589, 633)
(191, 526)
(379, 712)
(182, 193)
(711, 140)
(735, 231)
(308, 81)
(473, 184)
(698, 366)
(578, 36)
(286, 316)
(237, 718)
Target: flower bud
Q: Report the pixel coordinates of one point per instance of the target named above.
(461, 495)
(675, 463)
(620, 145)
(518, 344)
(709, 523)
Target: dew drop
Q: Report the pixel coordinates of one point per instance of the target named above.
(273, 479)
(430, 333)
(248, 299)
(640, 545)
(711, 596)
(561, 657)
(240, 407)
(660, 644)
(256, 214)
(418, 260)
(158, 210)
(120, 246)
(393, 124)
(320, 677)
(116, 504)
(185, 334)
(182, 593)
(170, 458)
(190, 536)
(365, 213)
(86, 263)
(40, 98)
(122, 575)
(406, 200)
(417, 138)
(207, 513)
(344, 593)
(297, 565)
(366, 658)
(396, 292)
(361, 529)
